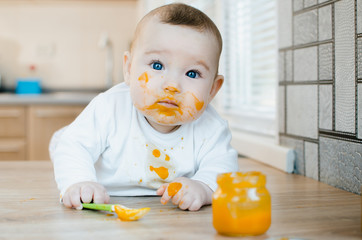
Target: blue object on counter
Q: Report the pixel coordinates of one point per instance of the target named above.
(28, 86)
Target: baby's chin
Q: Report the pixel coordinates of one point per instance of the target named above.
(168, 121)
(170, 118)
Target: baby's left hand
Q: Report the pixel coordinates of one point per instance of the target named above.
(192, 195)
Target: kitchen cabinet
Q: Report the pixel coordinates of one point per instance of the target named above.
(25, 131)
(12, 133)
(43, 121)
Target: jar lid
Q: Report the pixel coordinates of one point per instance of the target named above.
(242, 180)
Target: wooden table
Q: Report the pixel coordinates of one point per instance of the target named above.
(301, 208)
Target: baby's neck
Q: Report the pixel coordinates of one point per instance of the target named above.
(163, 128)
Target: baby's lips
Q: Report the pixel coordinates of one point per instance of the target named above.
(168, 102)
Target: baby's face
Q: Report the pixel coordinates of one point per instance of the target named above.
(172, 73)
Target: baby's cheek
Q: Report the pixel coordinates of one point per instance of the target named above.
(197, 103)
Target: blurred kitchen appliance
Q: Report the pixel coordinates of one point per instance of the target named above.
(105, 43)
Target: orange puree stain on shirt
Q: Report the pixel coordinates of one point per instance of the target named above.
(156, 153)
(173, 188)
(167, 158)
(143, 77)
(162, 172)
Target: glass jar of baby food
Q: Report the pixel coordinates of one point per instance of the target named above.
(241, 205)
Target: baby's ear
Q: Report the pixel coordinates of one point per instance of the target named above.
(126, 66)
(219, 80)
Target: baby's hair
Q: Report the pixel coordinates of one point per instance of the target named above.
(182, 14)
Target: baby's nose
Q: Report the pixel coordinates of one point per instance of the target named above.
(172, 89)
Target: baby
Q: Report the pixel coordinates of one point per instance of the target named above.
(156, 128)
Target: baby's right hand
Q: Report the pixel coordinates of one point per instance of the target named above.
(85, 192)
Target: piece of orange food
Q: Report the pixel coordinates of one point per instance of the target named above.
(130, 214)
(173, 188)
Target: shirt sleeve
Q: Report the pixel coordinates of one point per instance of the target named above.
(216, 156)
(79, 146)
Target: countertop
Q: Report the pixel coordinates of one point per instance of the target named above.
(301, 207)
(68, 98)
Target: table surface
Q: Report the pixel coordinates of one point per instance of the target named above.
(301, 208)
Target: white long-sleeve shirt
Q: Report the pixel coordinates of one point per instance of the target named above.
(111, 143)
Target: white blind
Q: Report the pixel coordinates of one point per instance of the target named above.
(250, 63)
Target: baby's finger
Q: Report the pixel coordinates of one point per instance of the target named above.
(100, 196)
(161, 189)
(165, 198)
(66, 201)
(86, 194)
(176, 200)
(75, 198)
(195, 205)
(185, 203)
(107, 197)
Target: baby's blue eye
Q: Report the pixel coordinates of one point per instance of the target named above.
(192, 74)
(157, 66)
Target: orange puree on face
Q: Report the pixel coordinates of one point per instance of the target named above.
(198, 104)
(162, 172)
(156, 153)
(165, 110)
(173, 188)
(143, 77)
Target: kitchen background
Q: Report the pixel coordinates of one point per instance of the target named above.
(65, 40)
(78, 45)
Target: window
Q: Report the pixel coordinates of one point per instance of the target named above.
(249, 63)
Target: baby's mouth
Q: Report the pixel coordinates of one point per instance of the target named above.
(168, 103)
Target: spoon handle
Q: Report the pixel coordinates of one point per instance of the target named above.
(102, 207)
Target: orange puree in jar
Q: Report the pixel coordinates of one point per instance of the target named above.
(241, 205)
(173, 188)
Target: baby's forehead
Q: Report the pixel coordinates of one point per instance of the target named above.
(148, 23)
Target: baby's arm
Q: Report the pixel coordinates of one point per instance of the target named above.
(85, 192)
(192, 196)
(75, 151)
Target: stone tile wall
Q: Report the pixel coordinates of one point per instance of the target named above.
(320, 88)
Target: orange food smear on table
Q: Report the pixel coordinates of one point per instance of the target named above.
(156, 153)
(173, 188)
(143, 77)
(162, 172)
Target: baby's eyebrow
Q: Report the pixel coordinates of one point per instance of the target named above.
(202, 63)
(155, 52)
